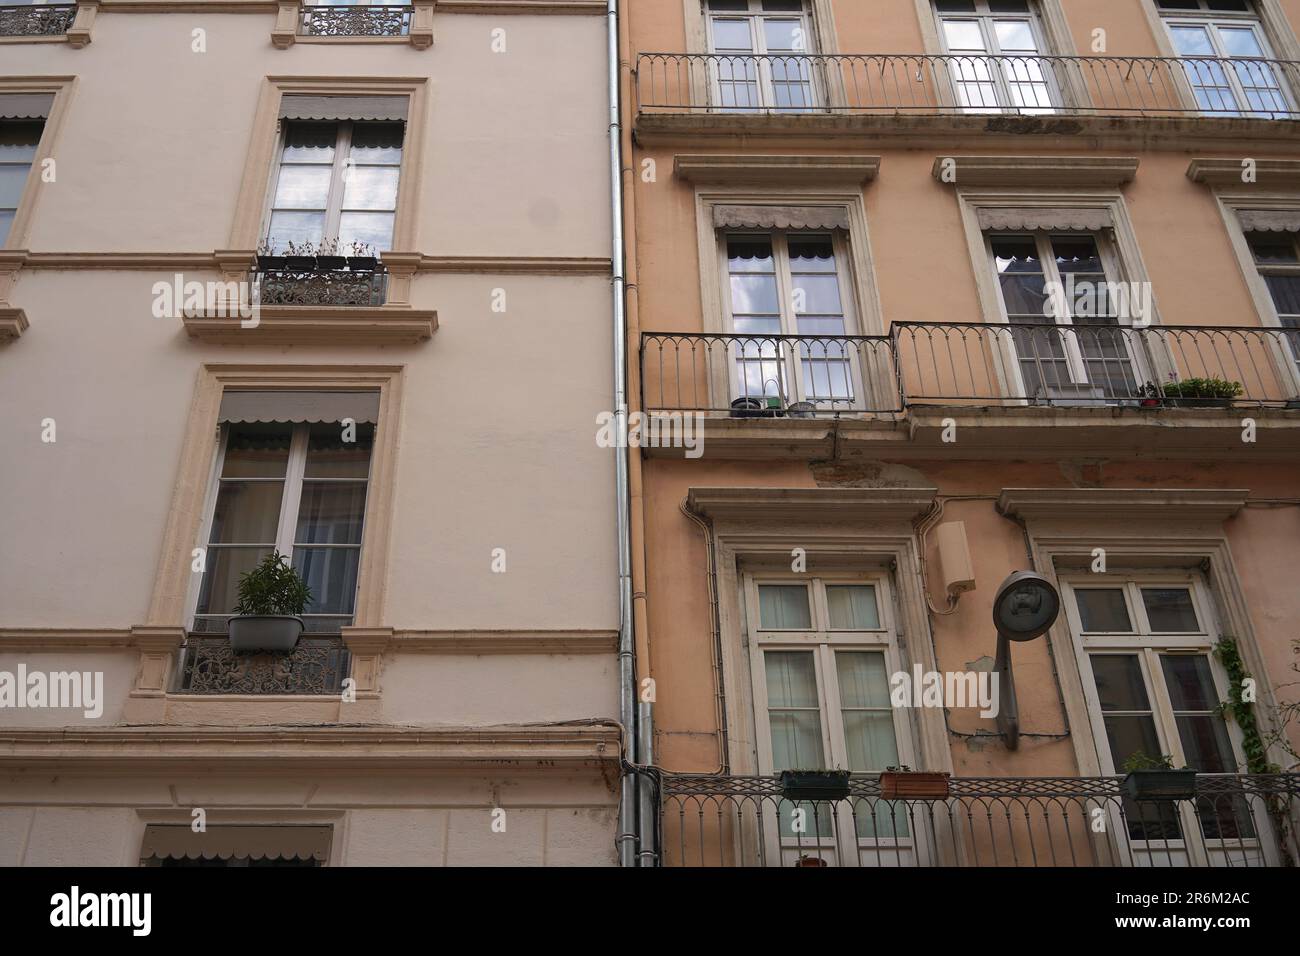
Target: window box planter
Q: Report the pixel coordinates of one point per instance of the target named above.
(262, 633)
(815, 784)
(270, 263)
(331, 263)
(1159, 784)
(913, 785)
(300, 263)
(362, 263)
(746, 408)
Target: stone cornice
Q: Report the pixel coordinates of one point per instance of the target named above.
(811, 504)
(133, 750)
(742, 169)
(1164, 505)
(1034, 170)
(505, 642)
(218, 259)
(315, 325)
(1229, 172)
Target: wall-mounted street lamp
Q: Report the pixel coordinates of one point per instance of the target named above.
(1025, 608)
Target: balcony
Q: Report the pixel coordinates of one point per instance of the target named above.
(37, 20)
(1233, 821)
(316, 666)
(350, 20)
(321, 287)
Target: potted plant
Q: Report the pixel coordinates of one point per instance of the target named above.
(271, 596)
(1154, 778)
(267, 259)
(1201, 392)
(301, 257)
(327, 258)
(904, 783)
(746, 407)
(1149, 395)
(774, 406)
(811, 861)
(814, 784)
(362, 258)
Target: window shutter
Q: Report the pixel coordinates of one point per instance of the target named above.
(1045, 217)
(25, 106)
(292, 406)
(780, 217)
(335, 108)
(232, 842)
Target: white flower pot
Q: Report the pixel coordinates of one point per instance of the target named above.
(251, 633)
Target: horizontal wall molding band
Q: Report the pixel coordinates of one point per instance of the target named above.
(730, 169)
(505, 642)
(497, 7)
(1232, 172)
(29, 640)
(132, 750)
(830, 504)
(1154, 504)
(315, 325)
(151, 261)
(1034, 170)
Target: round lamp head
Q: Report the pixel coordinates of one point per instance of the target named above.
(1026, 606)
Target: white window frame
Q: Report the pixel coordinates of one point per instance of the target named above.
(824, 643)
(983, 17)
(286, 526)
(334, 200)
(1112, 265)
(793, 386)
(1289, 346)
(754, 16)
(1148, 646)
(27, 179)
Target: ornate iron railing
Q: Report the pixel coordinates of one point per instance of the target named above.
(347, 20)
(317, 665)
(36, 20)
(959, 83)
(340, 287)
(1247, 820)
(808, 376)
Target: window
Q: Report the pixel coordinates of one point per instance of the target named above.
(823, 652)
(790, 283)
(18, 142)
(993, 49)
(1067, 333)
(336, 182)
(298, 487)
(1228, 58)
(1147, 643)
(761, 50)
(1277, 258)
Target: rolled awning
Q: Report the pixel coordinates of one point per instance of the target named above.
(287, 406)
(780, 217)
(328, 108)
(25, 106)
(1269, 220)
(1069, 219)
(232, 842)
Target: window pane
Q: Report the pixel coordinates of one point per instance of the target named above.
(371, 187)
(963, 35)
(331, 573)
(1016, 254)
(331, 512)
(1192, 41)
(12, 181)
(816, 294)
(375, 229)
(1024, 295)
(303, 187)
(1240, 41)
(750, 255)
(796, 733)
(1169, 610)
(1119, 682)
(219, 593)
(329, 456)
(784, 36)
(791, 679)
(6, 222)
(754, 294)
(18, 141)
(863, 681)
(1271, 247)
(247, 512)
(310, 142)
(257, 450)
(852, 607)
(731, 35)
(783, 607)
(1205, 743)
(295, 227)
(1187, 676)
(812, 254)
(377, 143)
(1102, 610)
(1077, 254)
(1015, 36)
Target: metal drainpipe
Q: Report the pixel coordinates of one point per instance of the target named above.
(627, 801)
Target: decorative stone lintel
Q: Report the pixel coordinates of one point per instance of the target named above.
(147, 701)
(813, 504)
(317, 325)
(774, 169)
(13, 323)
(79, 32)
(1034, 170)
(1162, 505)
(1231, 172)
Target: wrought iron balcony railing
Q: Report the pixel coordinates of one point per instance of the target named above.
(808, 376)
(321, 287)
(1029, 85)
(350, 20)
(317, 665)
(36, 20)
(1232, 821)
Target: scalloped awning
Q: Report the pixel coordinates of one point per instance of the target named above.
(233, 842)
(780, 217)
(1066, 218)
(295, 106)
(299, 406)
(1269, 220)
(25, 106)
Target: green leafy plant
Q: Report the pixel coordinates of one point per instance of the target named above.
(1141, 760)
(1241, 711)
(1201, 388)
(273, 587)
